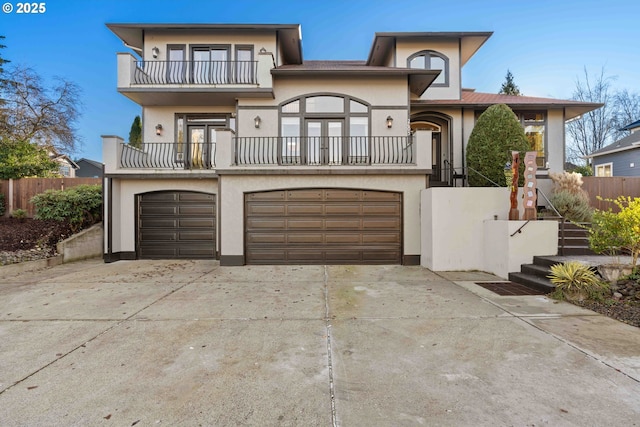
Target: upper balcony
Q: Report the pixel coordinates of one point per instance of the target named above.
(188, 83)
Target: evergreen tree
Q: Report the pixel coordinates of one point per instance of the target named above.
(509, 87)
(3, 81)
(496, 134)
(135, 134)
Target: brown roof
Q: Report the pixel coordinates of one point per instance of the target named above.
(471, 98)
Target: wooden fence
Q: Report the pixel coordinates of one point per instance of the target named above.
(610, 188)
(18, 192)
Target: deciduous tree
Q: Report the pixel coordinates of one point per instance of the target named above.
(21, 159)
(39, 114)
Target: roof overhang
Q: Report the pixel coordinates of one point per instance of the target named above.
(419, 79)
(289, 35)
(633, 146)
(383, 43)
(571, 111)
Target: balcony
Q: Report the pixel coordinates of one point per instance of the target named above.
(188, 83)
(167, 155)
(210, 73)
(324, 151)
(298, 155)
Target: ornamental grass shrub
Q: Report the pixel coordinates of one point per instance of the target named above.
(568, 197)
(576, 282)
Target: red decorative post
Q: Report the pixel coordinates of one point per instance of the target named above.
(514, 214)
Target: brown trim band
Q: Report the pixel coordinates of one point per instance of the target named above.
(231, 260)
(119, 256)
(411, 260)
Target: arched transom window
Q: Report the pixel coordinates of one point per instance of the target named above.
(324, 130)
(431, 60)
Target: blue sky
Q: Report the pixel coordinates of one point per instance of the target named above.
(546, 44)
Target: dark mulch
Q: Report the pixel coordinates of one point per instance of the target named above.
(25, 234)
(624, 311)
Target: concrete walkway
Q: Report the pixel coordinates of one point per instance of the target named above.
(191, 343)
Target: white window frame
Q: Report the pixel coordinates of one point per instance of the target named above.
(601, 169)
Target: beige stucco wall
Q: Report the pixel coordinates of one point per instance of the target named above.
(232, 201)
(449, 48)
(124, 203)
(166, 116)
(390, 93)
(161, 39)
(555, 140)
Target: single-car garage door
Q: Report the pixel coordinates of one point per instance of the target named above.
(323, 226)
(176, 224)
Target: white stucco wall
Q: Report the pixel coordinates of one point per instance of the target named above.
(233, 188)
(456, 236)
(166, 116)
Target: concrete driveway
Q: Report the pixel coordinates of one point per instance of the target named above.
(191, 343)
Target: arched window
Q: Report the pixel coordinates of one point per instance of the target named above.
(431, 60)
(324, 130)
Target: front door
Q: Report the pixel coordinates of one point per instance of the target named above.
(436, 155)
(324, 139)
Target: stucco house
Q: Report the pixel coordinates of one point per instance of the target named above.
(253, 155)
(621, 158)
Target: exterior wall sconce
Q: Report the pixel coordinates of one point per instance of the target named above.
(155, 52)
(389, 122)
(158, 129)
(257, 121)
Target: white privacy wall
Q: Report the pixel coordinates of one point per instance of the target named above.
(468, 229)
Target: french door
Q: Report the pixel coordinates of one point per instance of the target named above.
(324, 139)
(201, 140)
(210, 65)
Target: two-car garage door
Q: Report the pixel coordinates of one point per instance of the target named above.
(323, 226)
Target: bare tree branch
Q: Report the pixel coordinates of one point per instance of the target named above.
(45, 116)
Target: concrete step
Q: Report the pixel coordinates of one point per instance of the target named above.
(544, 261)
(575, 250)
(536, 282)
(535, 270)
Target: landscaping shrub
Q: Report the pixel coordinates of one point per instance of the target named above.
(612, 232)
(568, 197)
(19, 214)
(576, 281)
(496, 134)
(81, 205)
(3, 209)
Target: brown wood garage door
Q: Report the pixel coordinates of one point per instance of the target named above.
(176, 224)
(323, 226)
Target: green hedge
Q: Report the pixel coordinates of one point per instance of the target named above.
(81, 205)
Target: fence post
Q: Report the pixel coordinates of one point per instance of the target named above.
(10, 205)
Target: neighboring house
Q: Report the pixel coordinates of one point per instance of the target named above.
(89, 168)
(255, 156)
(622, 158)
(68, 167)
